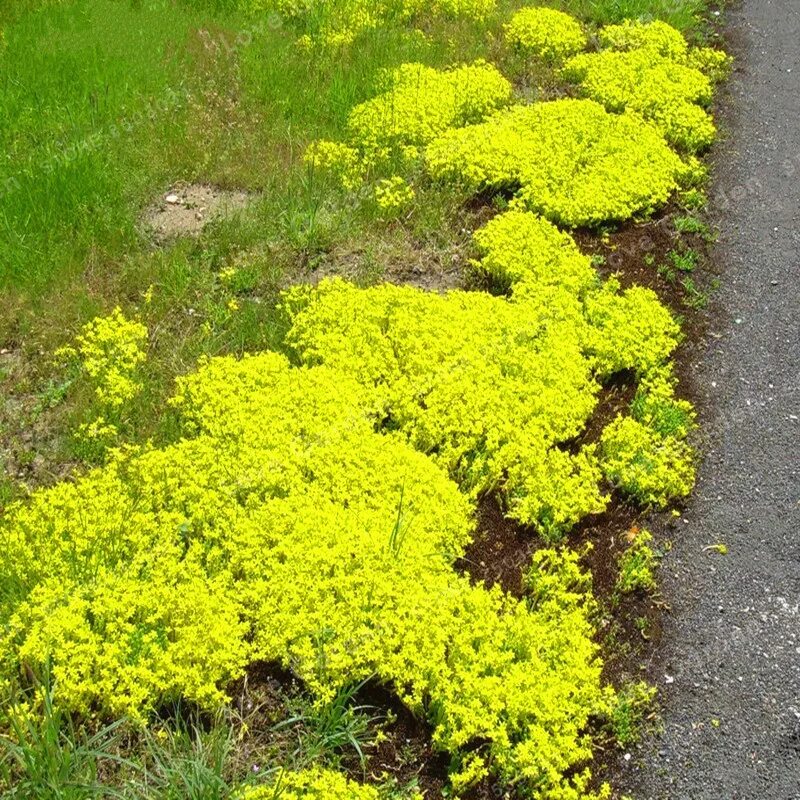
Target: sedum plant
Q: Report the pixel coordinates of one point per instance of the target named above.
(416, 104)
(494, 389)
(393, 196)
(309, 784)
(650, 69)
(546, 33)
(647, 454)
(339, 22)
(110, 351)
(521, 253)
(419, 103)
(488, 388)
(637, 565)
(657, 36)
(569, 160)
(287, 530)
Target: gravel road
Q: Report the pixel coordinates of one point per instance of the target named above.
(729, 666)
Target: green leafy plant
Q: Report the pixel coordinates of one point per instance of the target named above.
(634, 703)
(637, 565)
(46, 755)
(326, 732)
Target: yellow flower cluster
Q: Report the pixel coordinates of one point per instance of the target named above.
(310, 784)
(664, 41)
(631, 330)
(657, 36)
(338, 23)
(110, 350)
(522, 252)
(494, 388)
(647, 454)
(336, 159)
(570, 160)
(488, 387)
(288, 530)
(637, 566)
(546, 33)
(420, 103)
(649, 69)
(393, 195)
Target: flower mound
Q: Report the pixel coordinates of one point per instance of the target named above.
(339, 22)
(287, 530)
(568, 159)
(649, 69)
(311, 784)
(421, 102)
(495, 389)
(545, 33)
(522, 253)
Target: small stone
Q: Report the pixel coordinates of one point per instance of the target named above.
(669, 679)
(172, 199)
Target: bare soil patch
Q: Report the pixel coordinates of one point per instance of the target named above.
(186, 209)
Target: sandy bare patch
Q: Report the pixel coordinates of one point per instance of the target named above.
(185, 209)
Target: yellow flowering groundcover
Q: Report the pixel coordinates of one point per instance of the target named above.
(313, 509)
(649, 69)
(287, 530)
(419, 103)
(570, 160)
(546, 33)
(339, 22)
(496, 389)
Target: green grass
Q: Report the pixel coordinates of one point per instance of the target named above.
(50, 758)
(682, 14)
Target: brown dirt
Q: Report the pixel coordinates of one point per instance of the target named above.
(186, 209)
(501, 550)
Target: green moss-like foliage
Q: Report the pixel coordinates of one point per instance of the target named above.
(546, 33)
(287, 530)
(569, 160)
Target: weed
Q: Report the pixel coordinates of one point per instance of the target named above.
(634, 704)
(185, 759)
(689, 224)
(328, 732)
(47, 756)
(684, 261)
(637, 566)
(694, 297)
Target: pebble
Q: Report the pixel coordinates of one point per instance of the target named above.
(172, 199)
